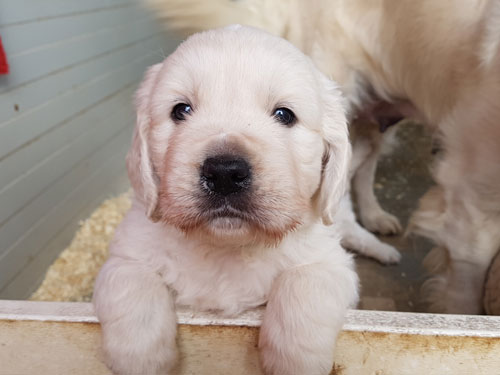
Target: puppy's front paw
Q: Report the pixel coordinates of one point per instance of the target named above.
(381, 222)
(132, 356)
(289, 358)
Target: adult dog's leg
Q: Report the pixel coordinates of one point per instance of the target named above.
(137, 318)
(304, 314)
(359, 240)
(371, 215)
(468, 240)
(466, 208)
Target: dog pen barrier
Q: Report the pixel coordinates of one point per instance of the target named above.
(64, 338)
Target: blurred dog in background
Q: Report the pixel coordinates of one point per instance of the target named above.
(436, 61)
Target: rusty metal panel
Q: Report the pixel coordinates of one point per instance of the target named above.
(63, 338)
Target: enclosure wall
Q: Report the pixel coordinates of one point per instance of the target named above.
(65, 121)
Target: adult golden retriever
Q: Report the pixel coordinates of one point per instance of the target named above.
(435, 60)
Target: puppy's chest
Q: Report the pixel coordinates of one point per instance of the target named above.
(230, 283)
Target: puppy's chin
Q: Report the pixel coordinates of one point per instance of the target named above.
(222, 226)
(229, 229)
(235, 231)
(232, 231)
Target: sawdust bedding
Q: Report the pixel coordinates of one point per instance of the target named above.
(71, 277)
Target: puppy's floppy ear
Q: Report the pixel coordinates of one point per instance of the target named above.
(139, 165)
(337, 156)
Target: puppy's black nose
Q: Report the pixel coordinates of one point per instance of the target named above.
(225, 174)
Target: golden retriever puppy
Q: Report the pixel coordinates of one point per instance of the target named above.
(240, 157)
(438, 61)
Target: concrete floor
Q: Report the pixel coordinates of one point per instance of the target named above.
(402, 178)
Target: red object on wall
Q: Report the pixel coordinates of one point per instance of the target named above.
(4, 66)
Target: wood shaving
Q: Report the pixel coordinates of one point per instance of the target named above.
(71, 277)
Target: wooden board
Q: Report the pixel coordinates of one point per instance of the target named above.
(63, 338)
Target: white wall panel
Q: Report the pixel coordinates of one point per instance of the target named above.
(66, 117)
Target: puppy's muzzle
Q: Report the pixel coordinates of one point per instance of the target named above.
(225, 175)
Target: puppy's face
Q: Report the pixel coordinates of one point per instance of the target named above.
(235, 135)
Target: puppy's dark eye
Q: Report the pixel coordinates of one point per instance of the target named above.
(180, 111)
(285, 116)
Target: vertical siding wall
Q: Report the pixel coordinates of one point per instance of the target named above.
(65, 121)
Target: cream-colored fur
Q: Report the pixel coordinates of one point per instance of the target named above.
(440, 60)
(177, 247)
